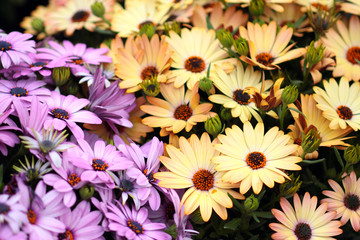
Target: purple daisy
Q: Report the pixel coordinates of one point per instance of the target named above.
(7, 234)
(134, 224)
(75, 56)
(12, 212)
(106, 196)
(82, 224)
(100, 162)
(14, 48)
(7, 138)
(65, 111)
(23, 90)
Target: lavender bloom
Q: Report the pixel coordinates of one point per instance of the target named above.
(14, 48)
(12, 212)
(65, 111)
(134, 224)
(107, 196)
(89, 77)
(7, 234)
(6, 137)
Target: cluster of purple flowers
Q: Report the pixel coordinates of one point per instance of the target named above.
(81, 186)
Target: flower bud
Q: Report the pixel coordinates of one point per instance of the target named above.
(289, 187)
(290, 94)
(151, 87)
(352, 154)
(310, 140)
(175, 26)
(256, 7)
(213, 125)
(86, 192)
(313, 55)
(98, 9)
(225, 37)
(225, 114)
(72, 88)
(205, 84)
(60, 75)
(251, 203)
(148, 29)
(241, 46)
(38, 25)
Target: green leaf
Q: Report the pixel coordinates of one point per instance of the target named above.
(298, 111)
(208, 23)
(314, 161)
(264, 214)
(255, 218)
(338, 157)
(233, 224)
(236, 202)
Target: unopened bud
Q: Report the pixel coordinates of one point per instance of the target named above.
(174, 26)
(60, 75)
(289, 94)
(148, 29)
(313, 54)
(37, 24)
(98, 9)
(72, 88)
(289, 187)
(251, 203)
(225, 37)
(241, 46)
(86, 192)
(205, 84)
(256, 7)
(225, 114)
(151, 86)
(310, 140)
(352, 154)
(213, 125)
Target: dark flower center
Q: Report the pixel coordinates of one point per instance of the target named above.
(19, 92)
(80, 16)
(264, 58)
(298, 141)
(169, 212)
(126, 185)
(352, 202)
(303, 231)
(38, 64)
(344, 112)
(135, 226)
(73, 179)
(60, 113)
(195, 64)
(256, 160)
(46, 146)
(183, 112)
(144, 23)
(150, 176)
(353, 54)
(31, 216)
(203, 180)
(77, 59)
(241, 97)
(66, 236)
(99, 165)
(4, 46)
(4, 208)
(149, 72)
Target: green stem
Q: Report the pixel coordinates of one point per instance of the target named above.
(283, 111)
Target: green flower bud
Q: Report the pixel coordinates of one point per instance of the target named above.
(151, 87)
(289, 187)
(289, 94)
(251, 203)
(38, 25)
(60, 75)
(331, 173)
(225, 37)
(241, 46)
(256, 7)
(148, 29)
(98, 9)
(352, 154)
(86, 192)
(205, 84)
(72, 88)
(225, 114)
(213, 125)
(313, 55)
(310, 141)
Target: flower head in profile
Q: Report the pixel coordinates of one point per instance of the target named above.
(345, 202)
(253, 158)
(7, 138)
(190, 168)
(339, 103)
(304, 221)
(273, 4)
(12, 212)
(268, 48)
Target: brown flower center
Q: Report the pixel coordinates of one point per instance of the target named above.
(183, 112)
(99, 165)
(150, 176)
(203, 180)
(169, 212)
(73, 179)
(144, 23)
(303, 231)
(4, 208)
(264, 58)
(38, 64)
(66, 236)
(19, 92)
(195, 64)
(344, 112)
(31, 216)
(149, 72)
(80, 16)
(77, 59)
(256, 160)
(60, 113)
(4, 46)
(353, 54)
(352, 202)
(241, 97)
(135, 226)
(298, 141)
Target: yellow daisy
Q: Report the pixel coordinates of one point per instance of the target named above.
(313, 117)
(314, 4)
(152, 59)
(340, 103)
(346, 45)
(39, 14)
(235, 88)
(273, 4)
(253, 159)
(191, 168)
(194, 50)
(129, 20)
(179, 110)
(268, 48)
(351, 6)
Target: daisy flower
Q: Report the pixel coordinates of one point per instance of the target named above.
(191, 168)
(39, 15)
(267, 52)
(351, 6)
(314, 4)
(194, 50)
(179, 110)
(7, 138)
(12, 212)
(14, 48)
(273, 4)
(304, 221)
(7, 234)
(345, 43)
(237, 88)
(339, 103)
(345, 203)
(254, 158)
